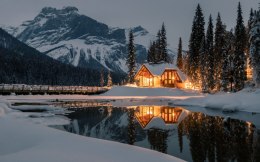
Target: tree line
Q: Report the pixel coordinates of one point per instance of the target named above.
(156, 54)
(217, 58)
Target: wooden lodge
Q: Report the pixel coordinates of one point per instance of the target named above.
(160, 75)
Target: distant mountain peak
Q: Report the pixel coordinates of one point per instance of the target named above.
(64, 10)
(138, 28)
(77, 39)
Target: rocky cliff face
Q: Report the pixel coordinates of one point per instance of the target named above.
(76, 39)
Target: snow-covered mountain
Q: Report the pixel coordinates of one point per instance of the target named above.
(73, 38)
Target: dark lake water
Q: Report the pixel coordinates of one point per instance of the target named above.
(192, 136)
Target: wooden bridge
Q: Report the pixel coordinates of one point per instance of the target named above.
(23, 89)
(82, 104)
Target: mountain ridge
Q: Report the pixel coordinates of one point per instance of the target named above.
(76, 39)
(22, 64)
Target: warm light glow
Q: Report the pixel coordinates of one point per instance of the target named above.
(144, 114)
(149, 112)
(188, 85)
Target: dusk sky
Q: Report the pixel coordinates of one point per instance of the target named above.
(177, 14)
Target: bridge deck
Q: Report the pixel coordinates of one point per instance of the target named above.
(21, 89)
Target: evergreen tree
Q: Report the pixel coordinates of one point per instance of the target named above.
(239, 54)
(210, 57)
(195, 42)
(163, 46)
(204, 66)
(249, 27)
(227, 68)
(151, 52)
(102, 78)
(109, 80)
(186, 63)
(158, 51)
(131, 59)
(219, 50)
(255, 48)
(179, 57)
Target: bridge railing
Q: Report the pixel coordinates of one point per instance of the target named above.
(20, 88)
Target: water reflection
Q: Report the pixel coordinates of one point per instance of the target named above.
(169, 115)
(216, 139)
(192, 136)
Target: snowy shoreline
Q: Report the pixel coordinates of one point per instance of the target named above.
(24, 140)
(247, 100)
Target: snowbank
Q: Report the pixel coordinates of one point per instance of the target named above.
(23, 141)
(138, 91)
(247, 100)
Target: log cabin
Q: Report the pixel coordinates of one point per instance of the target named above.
(160, 75)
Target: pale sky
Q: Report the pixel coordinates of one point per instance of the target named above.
(176, 14)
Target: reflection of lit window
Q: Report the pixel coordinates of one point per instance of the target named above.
(145, 114)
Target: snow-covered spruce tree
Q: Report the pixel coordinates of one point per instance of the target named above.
(109, 80)
(195, 42)
(227, 63)
(210, 57)
(179, 56)
(164, 53)
(204, 66)
(131, 58)
(219, 50)
(255, 48)
(239, 54)
(102, 78)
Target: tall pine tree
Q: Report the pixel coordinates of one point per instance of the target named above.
(158, 49)
(239, 54)
(249, 27)
(131, 59)
(204, 66)
(151, 52)
(255, 47)
(179, 57)
(227, 63)
(219, 50)
(195, 43)
(210, 52)
(164, 54)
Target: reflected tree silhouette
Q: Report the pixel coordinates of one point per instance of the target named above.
(158, 139)
(180, 138)
(131, 127)
(216, 139)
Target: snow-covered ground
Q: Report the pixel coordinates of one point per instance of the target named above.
(246, 100)
(27, 139)
(23, 141)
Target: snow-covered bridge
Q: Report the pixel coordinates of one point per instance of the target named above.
(23, 89)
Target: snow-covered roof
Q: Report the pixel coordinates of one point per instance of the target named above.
(158, 69)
